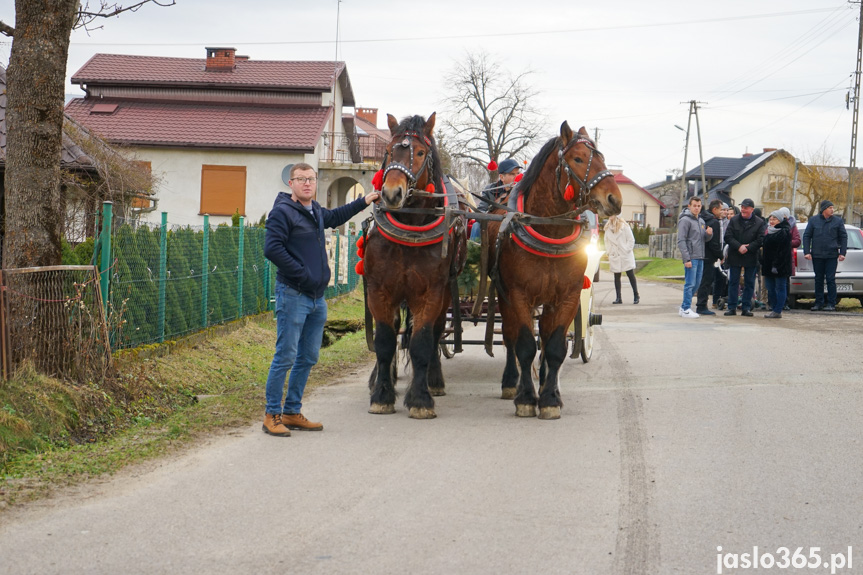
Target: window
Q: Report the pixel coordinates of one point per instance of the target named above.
(141, 202)
(223, 190)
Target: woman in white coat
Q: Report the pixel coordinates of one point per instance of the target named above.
(619, 243)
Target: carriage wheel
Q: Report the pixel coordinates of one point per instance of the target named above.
(587, 339)
(447, 349)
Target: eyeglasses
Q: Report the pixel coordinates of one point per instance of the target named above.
(302, 181)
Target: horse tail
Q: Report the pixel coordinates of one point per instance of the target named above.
(408, 319)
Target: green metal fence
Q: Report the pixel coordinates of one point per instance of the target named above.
(163, 281)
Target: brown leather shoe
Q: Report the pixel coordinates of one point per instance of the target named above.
(299, 421)
(274, 426)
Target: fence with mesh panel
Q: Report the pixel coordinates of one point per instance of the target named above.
(53, 318)
(172, 280)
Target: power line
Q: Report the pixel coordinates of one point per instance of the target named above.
(489, 35)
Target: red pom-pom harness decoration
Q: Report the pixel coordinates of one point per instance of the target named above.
(359, 268)
(586, 284)
(361, 241)
(430, 188)
(378, 180)
(569, 194)
(492, 166)
(519, 177)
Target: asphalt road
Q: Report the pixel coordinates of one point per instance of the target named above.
(681, 436)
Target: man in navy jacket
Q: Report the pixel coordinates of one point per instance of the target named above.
(825, 243)
(295, 242)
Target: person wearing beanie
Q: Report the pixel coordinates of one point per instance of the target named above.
(825, 243)
(776, 262)
(507, 170)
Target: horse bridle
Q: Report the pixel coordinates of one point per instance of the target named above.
(407, 142)
(584, 186)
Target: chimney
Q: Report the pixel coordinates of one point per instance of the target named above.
(370, 115)
(239, 58)
(769, 150)
(220, 59)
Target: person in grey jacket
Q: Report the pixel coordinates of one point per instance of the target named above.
(692, 233)
(825, 242)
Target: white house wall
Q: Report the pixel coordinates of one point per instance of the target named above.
(179, 172)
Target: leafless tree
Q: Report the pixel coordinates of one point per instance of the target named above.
(490, 111)
(822, 178)
(34, 206)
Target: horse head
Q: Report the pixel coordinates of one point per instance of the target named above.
(410, 159)
(582, 166)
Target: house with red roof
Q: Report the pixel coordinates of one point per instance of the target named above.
(639, 206)
(222, 132)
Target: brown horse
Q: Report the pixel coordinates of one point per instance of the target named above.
(404, 264)
(544, 264)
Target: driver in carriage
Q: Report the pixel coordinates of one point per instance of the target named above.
(507, 171)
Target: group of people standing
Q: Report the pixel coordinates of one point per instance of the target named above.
(743, 242)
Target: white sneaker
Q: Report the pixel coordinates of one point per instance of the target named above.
(689, 314)
(680, 312)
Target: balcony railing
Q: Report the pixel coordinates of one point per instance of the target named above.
(342, 148)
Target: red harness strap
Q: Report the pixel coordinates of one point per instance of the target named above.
(542, 238)
(424, 228)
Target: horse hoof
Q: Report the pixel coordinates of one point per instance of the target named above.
(437, 391)
(522, 410)
(421, 413)
(507, 393)
(549, 412)
(382, 408)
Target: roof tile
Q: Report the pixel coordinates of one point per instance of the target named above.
(204, 125)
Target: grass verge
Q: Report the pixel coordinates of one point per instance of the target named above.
(56, 434)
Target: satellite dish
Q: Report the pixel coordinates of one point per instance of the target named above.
(286, 174)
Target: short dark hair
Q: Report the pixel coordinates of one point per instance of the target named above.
(714, 204)
(694, 199)
(301, 166)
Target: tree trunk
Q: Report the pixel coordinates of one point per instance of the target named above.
(34, 118)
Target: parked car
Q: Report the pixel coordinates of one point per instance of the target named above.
(849, 273)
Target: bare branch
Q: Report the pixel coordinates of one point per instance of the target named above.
(6, 29)
(107, 10)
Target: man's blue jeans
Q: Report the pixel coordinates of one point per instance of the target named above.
(300, 323)
(776, 288)
(825, 268)
(691, 281)
(734, 287)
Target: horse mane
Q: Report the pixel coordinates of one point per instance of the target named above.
(416, 124)
(536, 165)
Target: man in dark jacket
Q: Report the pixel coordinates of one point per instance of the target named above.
(295, 242)
(744, 236)
(507, 172)
(825, 243)
(712, 254)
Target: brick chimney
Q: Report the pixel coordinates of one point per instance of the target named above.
(769, 150)
(370, 115)
(221, 59)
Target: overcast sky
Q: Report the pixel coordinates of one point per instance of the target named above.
(770, 73)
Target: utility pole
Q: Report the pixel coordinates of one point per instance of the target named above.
(852, 165)
(596, 136)
(693, 110)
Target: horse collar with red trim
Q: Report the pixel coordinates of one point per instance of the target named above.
(533, 242)
(416, 236)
